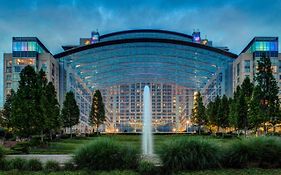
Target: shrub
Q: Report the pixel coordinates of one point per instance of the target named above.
(147, 168)
(69, 166)
(17, 163)
(22, 147)
(33, 165)
(52, 166)
(190, 154)
(264, 152)
(2, 152)
(4, 164)
(104, 154)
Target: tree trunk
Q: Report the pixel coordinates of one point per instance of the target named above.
(97, 129)
(245, 131)
(70, 128)
(199, 129)
(42, 137)
(264, 129)
(51, 138)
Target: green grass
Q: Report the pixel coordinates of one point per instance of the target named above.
(117, 172)
(68, 146)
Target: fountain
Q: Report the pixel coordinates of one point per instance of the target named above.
(147, 148)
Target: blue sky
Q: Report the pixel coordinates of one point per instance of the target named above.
(231, 23)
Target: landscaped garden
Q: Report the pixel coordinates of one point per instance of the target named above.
(180, 154)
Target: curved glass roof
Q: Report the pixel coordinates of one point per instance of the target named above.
(145, 33)
(144, 58)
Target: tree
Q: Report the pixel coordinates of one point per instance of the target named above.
(212, 112)
(242, 113)
(7, 111)
(247, 89)
(268, 92)
(97, 114)
(41, 112)
(255, 113)
(51, 111)
(24, 114)
(233, 109)
(199, 112)
(223, 113)
(70, 112)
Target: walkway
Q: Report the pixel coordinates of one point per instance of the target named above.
(43, 158)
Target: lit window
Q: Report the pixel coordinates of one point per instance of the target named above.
(25, 61)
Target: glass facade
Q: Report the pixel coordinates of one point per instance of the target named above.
(27, 46)
(173, 70)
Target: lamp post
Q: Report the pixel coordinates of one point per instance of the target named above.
(187, 125)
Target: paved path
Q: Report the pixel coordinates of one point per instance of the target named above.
(43, 158)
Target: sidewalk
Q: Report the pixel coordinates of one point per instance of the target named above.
(62, 158)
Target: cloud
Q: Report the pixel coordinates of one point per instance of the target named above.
(59, 22)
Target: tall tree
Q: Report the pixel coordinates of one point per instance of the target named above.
(39, 95)
(199, 112)
(242, 113)
(97, 114)
(212, 112)
(51, 111)
(268, 91)
(255, 110)
(234, 105)
(247, 88)
(6, 113)
(24, 113)
(70, 112)
(223, 113)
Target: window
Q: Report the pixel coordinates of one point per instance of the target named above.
(25, 61)
(9, 77)
(238, 69)
(247, 66)
(17, 68)
(8, 85)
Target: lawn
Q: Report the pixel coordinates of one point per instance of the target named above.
(117, 172)
(68, 146)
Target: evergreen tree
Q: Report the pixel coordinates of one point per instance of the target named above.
(247, 88)
(255, 113)
(242, 113)
(210, 117)
(223, 113)
(41, 112)
(212, 112)
(24, 113)
(6, 120)
(70, 111)
(268, 92)
(97, 114)
(51, 110)
(199, 112)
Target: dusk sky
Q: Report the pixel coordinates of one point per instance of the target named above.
(59, 22)
(231, 23)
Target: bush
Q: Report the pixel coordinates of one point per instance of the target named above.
(4, 164)
(17, 163)
(33, 165)
(190, 154)
(104, 154)
(22, 147)
(147, 168)
(51, 166)
(264, 152)
(2, 152)
(69, 166)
